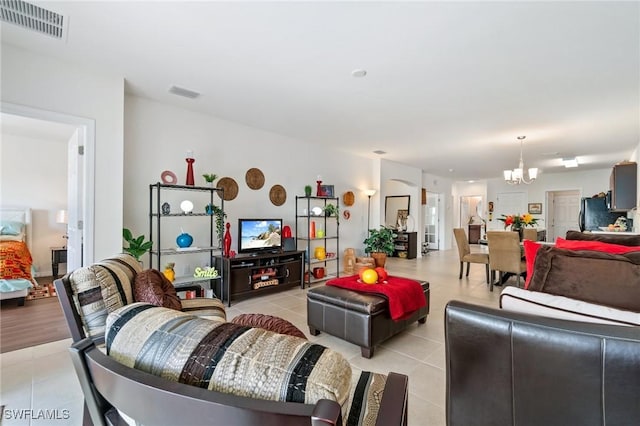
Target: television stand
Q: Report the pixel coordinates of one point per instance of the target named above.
(255, 274)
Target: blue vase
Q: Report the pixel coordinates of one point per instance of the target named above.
(184, 240)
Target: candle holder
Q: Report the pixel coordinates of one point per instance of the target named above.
(319, 191)
(190, 162)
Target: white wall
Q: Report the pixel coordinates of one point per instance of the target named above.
(41, 82)
(588, 182)
(157, 137)
(33, 174)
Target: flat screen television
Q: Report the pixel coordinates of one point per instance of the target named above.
(256, 235)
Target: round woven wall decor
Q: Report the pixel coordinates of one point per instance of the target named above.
(230, 187)
(277, 195)
(254, 178)
(348, 198)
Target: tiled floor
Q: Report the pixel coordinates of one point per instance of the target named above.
(42, 378)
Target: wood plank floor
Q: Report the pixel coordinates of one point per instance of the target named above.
(38, 321)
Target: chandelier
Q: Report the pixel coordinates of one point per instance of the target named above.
(516, 176)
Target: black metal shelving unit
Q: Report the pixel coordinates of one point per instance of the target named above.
(156, 218)
(330, 240)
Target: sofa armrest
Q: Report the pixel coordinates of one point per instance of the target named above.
(553, 306)
(394, 405)
(508, 368)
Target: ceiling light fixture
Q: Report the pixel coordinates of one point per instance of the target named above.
(359, 73)
(379, 152)
(516, 176)
(570, 162)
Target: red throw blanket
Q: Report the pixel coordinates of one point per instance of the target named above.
(404, 295)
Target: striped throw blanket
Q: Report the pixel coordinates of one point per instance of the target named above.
(226, 357)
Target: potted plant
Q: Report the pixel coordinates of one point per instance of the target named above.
(209, 177)
(379, 244)
(331, 210)
(137, 245)
(307, 190)
(212, 209)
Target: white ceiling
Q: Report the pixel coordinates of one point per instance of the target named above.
(449, 85)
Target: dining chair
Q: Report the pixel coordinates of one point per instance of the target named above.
(530, 234)
(505, 254)
(464, 251)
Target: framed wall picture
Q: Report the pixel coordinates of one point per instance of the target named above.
(327, 190)
(535, 208)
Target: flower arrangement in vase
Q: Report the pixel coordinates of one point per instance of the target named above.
(518, 221)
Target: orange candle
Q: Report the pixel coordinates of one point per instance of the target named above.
(312, 231)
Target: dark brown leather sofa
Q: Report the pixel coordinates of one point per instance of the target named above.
(507, 368)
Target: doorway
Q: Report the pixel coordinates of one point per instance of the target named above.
(563, 212)
(80, 180)
(431, 223)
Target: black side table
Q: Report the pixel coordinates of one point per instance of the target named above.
(58, 256)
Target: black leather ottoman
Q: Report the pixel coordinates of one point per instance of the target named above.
(359, 318)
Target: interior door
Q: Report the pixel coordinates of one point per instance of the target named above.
(565, 209)
(75, 201)
(431, 221)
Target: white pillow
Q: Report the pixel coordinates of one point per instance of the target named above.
(19, 237)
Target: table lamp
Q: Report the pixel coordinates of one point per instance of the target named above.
(61, 217)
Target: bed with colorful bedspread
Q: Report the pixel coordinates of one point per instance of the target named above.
(15, 265)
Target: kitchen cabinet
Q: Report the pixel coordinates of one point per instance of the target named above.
(623, 184)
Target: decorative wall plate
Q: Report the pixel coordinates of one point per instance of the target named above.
(346, 214)
(348, 198)
(230, 187)
(254, 178)
(168, 177)
(277, 195)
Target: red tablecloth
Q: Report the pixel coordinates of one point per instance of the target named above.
(404, 295)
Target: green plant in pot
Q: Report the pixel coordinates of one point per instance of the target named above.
(307, 190)
(331, 210)
(220, 217)
(209, 178)
(379, 244)
(137, 245)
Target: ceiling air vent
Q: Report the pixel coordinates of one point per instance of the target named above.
(181, 91)
(32, 17)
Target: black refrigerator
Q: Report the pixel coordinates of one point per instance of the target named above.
(594, 213)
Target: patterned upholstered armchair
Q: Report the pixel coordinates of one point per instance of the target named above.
(88, 294)
(163, 366)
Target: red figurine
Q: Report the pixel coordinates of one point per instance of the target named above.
(227, 241)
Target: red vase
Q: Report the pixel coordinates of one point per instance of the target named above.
(190, 180)
(227, 241)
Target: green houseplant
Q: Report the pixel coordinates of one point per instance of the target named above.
(209, 177)
(379, 244)
(137, 245)
(332, 210)
(212, 209)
